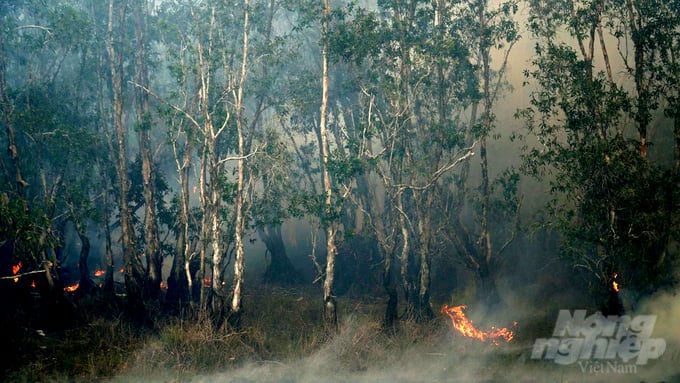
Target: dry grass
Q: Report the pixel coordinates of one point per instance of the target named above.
(280, 327)
(85, 353)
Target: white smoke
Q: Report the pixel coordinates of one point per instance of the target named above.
(361, 353)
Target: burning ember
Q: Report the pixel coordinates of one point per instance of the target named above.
(615, 285)
(99, 273)
(122, 270)
(72, 288)
(464, 326)
(15, 270)
(164, 286)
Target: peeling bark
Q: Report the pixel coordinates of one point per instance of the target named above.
(329, 301)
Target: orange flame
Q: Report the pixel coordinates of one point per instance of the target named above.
(615, 284)
(15, 270)
(164, 286)
(33, 283)
(99, 273)
(464, 326)
(72, 288)
(122, 270)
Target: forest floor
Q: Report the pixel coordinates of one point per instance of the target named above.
(282, 340)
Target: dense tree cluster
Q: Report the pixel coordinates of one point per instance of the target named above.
(180, 129)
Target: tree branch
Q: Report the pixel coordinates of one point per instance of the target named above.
(441, 171)
(173, 106)
(17, 276)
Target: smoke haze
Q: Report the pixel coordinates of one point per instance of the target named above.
(362, 353)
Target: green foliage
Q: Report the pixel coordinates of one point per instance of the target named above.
(274, 203)
(343, 167)
(27, 230)
(356, 35)
(614, 206)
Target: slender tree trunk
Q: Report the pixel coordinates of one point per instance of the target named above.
(86, 285)
(218, 293)
(389, 279)
(486, 289)
(179, 280)
(144, 123)
(134, 272)
(103, 161)
(387, 245)
(410, 292)
(210, 197)
(279, 270)
(424, 310)
(329, 300)
(239, 222)
(390, 286)
(643, 113)
(109, 287)
(204, 232)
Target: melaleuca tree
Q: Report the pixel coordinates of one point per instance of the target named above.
(272, 206)
(203, 73)
(217, 115)
(426, 89)
(51, 98)
(310, 125)
(614, 203)
(116, 49)
(144, 124)
(488, 30)
(183, 138)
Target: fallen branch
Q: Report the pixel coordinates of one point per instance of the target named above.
(22, 274)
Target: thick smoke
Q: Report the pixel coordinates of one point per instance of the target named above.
(361, 353)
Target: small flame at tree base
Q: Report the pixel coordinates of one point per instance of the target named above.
(615, 285)
(72, 288)
(464, 326)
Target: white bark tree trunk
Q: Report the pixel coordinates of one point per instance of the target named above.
(330, 303)
(239, 222)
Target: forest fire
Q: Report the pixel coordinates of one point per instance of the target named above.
(15, 270)
(72, 288)
(99, 273)
(615, 285)
(464, 326)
